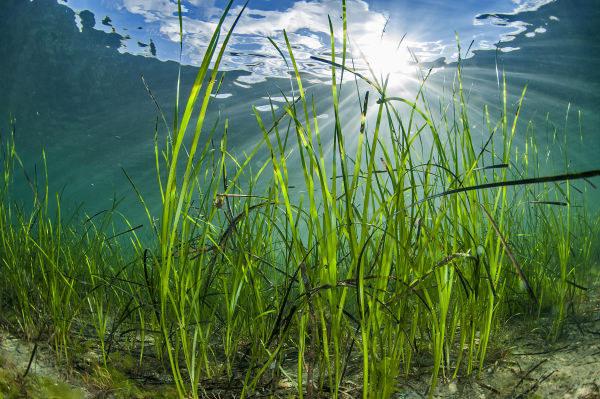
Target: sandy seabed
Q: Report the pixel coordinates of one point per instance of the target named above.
(524, 364)
(521, 363)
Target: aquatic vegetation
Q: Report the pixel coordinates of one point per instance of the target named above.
(416, 244)
(16, 385)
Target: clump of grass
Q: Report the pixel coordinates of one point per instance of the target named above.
(399, 251)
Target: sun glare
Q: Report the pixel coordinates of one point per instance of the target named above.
(383, 57)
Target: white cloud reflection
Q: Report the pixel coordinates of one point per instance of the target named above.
(371, 34)
(265, 108)
(221, 95)
(529, 5)
(306, 25)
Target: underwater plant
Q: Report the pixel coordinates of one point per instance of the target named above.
(414, 244)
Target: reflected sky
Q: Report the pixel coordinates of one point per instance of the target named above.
(386, 33)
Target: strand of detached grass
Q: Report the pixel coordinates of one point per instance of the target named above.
(509, 253)
(520, 182)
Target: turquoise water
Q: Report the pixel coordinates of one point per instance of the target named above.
(71, 78)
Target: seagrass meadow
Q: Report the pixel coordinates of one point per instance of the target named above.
(336, 259)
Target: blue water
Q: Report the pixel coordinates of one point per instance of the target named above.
(70, 75)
